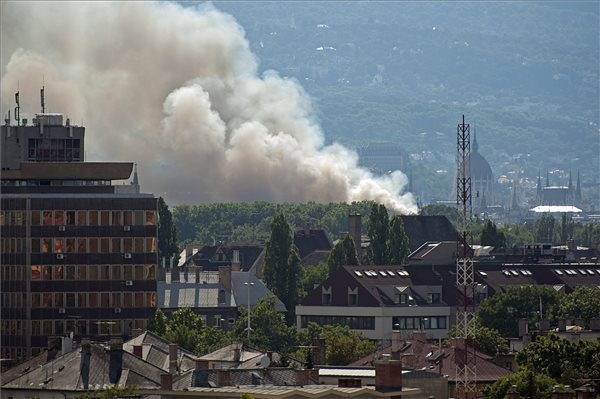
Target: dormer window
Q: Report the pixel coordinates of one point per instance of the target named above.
(326, 296)
(433, 298)
(352, 296)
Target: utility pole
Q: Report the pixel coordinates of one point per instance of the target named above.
(248, 284)
(466, 372)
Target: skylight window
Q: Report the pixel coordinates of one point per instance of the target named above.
(359, 274)
(484, 274)
(383, 273)
(514, 273)
(557, 271)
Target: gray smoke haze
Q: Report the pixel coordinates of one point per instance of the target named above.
(177, 91)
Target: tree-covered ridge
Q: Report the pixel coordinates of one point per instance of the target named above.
(249, 222)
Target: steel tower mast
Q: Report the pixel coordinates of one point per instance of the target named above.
(466, 372)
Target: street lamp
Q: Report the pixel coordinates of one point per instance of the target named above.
(248, 284)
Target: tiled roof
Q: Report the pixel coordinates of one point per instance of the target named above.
(228, 354)
(205, 256)
(420, 355)
(258, 290)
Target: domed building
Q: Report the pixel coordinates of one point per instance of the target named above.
(482, 179)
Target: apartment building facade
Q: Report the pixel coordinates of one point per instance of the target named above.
(78, 252)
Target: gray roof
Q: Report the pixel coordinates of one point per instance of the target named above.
(258, 290)
(106, 368)
(155, 350)
(174, 294)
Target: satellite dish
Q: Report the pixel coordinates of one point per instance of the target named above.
(265, 362)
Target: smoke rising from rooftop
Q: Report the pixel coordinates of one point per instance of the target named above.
(177, 90)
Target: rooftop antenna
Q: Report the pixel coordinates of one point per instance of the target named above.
(42, 97)
(18, 107)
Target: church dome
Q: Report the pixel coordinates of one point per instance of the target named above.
(480, 168)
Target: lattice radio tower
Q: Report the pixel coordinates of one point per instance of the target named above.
(466, 372)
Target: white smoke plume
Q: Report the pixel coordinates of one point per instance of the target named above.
(177, 90)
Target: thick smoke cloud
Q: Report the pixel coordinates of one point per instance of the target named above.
(177, 90)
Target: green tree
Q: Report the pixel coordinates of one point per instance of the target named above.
(342, 254)
(167, 232)
(566, 228)
(269, 330)
(342, 345)
(544, 229)
(398, 248)
(491, 236)
(527, 383)
(184, 328)
(503, 310)
(486, 340)
(583, 303)
(310, 276)
(568, 362)
(282, 264)
(158, 322)
(378, 235)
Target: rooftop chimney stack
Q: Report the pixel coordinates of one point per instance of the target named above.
(355, 231)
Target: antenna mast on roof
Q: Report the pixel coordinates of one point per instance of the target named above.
(17, 108)
(466, 386)
(42, 98)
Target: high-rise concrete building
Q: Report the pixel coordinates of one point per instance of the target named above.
(78, 252)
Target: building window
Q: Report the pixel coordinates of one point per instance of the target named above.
(327, 299)
(419, 322)
(433, 298)
(353, 322)
(352, 299)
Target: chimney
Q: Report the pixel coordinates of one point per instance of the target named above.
(302, 377)
(571, 245)
(544, 325)
(223, 378)
(173, 349)
(355, 231)
(420, 336)
(237, 353)
(201, 364)
(197, 270)
(562, 325)
(396, 344)
(166, 382)
(225, 277)
(84, 364)
(235, 263)
(116, 344)
(306, 231)
(388, 375)
(595, 324)
(318, 348)
(523, 327)
(138, 351)
(116, 360)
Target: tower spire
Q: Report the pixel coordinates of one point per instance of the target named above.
(475, 145)
(135, 183)
(570, 183)
(539, 188)
(514, 204)
(578, 197)
(547, 178)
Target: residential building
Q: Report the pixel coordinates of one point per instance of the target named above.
(78, 252)
(375, 300)
(423, 296)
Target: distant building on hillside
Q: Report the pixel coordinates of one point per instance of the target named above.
(383, 157)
